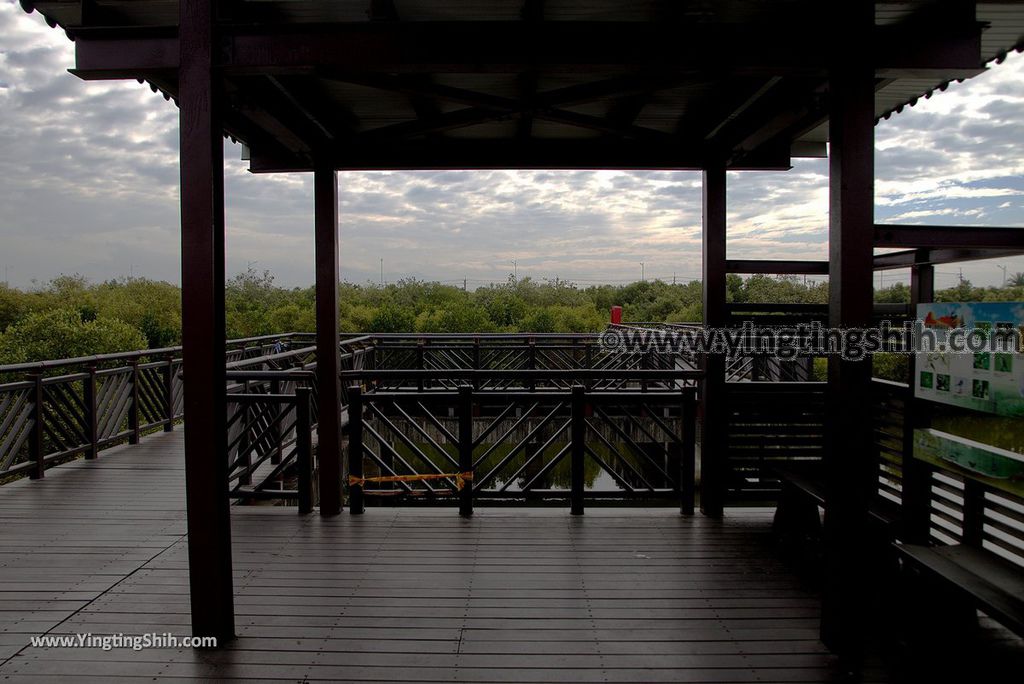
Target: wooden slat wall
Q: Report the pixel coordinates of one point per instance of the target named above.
(889, 425)
(769, 424)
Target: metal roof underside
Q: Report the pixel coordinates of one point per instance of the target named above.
(388, 84)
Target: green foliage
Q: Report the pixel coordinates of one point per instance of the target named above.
(392, 318)
(13, 306)
(151, 306)
(894, 294)
(292, 317)
(888, 366)
(64, 333)
(765, 289)
(454, 319)
(505, 308)
(819, 369)
(255, 305)
(539, 321)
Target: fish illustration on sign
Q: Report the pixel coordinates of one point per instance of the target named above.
(949, 321)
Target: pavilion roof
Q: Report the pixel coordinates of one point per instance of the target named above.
(388, 84)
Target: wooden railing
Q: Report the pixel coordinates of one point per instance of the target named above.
(467, 444)
(550, 358)
(270, 439)
(84, 406)
(51, 411)
(58, 410)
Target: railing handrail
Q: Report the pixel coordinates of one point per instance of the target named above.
(483, 336)
(892, 384)
(522, 374)
(129, 355)
(85, 360)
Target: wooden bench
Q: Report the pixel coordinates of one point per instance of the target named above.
(803, 492)
(983, 580)
(972, 577)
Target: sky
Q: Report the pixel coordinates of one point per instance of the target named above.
(89, 185)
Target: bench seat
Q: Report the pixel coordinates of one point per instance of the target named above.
(993, 584)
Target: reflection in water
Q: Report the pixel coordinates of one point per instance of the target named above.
(641, 465)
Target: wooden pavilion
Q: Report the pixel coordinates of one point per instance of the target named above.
(323, 86)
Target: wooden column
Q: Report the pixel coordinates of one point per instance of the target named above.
(849, 461)
(202, 303)
(916, 474)
(713, 423)
(922, 281)
(328, 362)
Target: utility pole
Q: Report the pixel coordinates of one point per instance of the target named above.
(643, 278)
(464, 285)
(382, 272)
(515, 271)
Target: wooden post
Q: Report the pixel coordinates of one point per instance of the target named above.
(531, 362)
(645, 364)
(246, 429)
(355, 448)
(37, 449)
(304, 448)
(168, 378)
(420, 353)
(849, 467)
(578, 430)
(276, 436)
(916, 474)
(713, 462)
(588, 361)
(974, 512)
(476, 361)
(466, 448)
(91, 417)
(204, 349)
(687, 460)
(133, 414)
(328, 361)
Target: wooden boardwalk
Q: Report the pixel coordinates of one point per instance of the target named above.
(396, 595)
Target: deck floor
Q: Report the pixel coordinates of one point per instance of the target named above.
(397, 595)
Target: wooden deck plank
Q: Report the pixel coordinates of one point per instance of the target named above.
(526, 595)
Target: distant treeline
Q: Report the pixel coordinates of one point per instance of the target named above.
(70, 316)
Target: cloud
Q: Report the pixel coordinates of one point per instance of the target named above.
(89, 184)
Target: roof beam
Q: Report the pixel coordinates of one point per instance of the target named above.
(776, 267)
(910, 257)
(767, 48)
(960, 237)
(383, 10)
(486, 108)
(507, 154)
(533, 10)
(625, 110)
(125, 57)
(526, 84)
